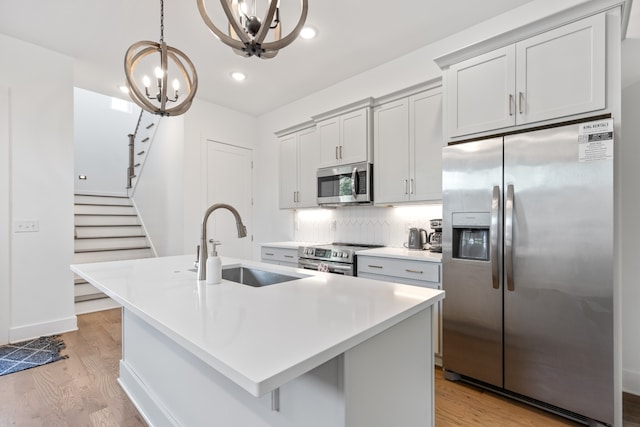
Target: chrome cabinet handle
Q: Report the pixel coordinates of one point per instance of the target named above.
(411, 186)
(414, 271)
(406, 191)
(341, 151)
(520, 99)
(269, 254)
(374, 266)
(275, 400)
(336, 152)
(493, 232)
(508, 237)
(288, 256)
(511, 104)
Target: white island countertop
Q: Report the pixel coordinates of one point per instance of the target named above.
(260, 338)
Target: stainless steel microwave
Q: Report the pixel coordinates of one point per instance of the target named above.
(346, 184)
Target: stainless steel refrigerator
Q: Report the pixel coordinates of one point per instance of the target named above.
(528, 266)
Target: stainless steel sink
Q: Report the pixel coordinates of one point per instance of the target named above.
(255, 277)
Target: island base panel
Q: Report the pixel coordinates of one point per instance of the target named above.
(388, 377)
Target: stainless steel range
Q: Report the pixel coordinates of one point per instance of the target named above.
(338, 258)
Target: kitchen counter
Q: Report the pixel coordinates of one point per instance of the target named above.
(403, 253)
(258, 338)
(286, 245)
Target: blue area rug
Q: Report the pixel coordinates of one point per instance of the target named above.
(29, 354)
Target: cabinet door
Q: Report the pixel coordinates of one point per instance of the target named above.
(288, 171)
(562, 72)
(354, 136)
(391, 152)
(309, 159)
(481, 93)
(426, 141)
(329, 137)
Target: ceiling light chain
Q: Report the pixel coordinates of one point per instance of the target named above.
(139, 51)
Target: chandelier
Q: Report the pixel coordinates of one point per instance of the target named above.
(247, 31)
(172, 62)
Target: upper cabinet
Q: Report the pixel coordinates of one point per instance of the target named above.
(344, 134)
(408, 148)
(555, 74)
(299, 159)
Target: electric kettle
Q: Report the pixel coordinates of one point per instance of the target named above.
(417, 238)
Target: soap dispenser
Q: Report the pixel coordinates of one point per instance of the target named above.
(214, 265)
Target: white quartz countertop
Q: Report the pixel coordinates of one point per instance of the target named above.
(286, 245)
(260, 338)
(403, 253)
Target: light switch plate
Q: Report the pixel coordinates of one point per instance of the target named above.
(26, 226)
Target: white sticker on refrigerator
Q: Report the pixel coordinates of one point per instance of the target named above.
(595, 141)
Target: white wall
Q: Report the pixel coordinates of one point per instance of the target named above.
(5, 229)
(159, 190)
(101, 143)
(630, 154)
(41, 175)
(207, 121)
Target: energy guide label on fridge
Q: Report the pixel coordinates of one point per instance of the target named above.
(595, 141)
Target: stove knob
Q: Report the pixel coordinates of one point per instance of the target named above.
(334, 254)
(345, 255)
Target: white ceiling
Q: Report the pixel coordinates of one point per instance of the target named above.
(353, 37)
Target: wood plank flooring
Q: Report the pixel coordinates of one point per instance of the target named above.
(83, 390)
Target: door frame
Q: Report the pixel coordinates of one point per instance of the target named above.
(5, 214)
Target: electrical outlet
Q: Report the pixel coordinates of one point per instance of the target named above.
(26, 226)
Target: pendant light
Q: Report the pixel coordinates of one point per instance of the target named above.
(172, 62)
(247, 31)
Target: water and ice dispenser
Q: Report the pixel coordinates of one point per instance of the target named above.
(470, 232)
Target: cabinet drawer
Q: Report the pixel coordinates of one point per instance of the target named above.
(269, 254)
(408, 269)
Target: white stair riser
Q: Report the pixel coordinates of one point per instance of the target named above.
(113, 231)
(87, 257)
(84, 289)
(106, 220)
(102, 200)
(104, 210)
(95, 305)
(113, 243)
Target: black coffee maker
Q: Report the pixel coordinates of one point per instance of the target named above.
(435, 238)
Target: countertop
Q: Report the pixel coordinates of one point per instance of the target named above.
(403, 253)
(260, 338)
(287, 245)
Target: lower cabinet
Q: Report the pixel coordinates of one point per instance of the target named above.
(409, 272)
(279, 256)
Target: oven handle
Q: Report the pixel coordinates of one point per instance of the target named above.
(354, 186)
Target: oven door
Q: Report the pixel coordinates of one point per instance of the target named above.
(334, 267)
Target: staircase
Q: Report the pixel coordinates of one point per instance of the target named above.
(107, 228)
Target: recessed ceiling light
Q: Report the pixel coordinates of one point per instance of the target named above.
(308, 33)
(238, 76)
(123, 89)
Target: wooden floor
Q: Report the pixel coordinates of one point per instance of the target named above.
(82, 390)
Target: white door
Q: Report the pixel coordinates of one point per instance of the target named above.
(5, 203)
(229, 180)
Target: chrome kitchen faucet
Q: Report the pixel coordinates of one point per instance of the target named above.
(202, 248)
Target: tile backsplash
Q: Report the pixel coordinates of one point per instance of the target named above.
(388, 226)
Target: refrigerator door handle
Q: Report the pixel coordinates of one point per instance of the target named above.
(508, 237)
(495, 208)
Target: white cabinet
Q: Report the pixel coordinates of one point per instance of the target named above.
(408, 148)
(299, 159)
(279, 256)
(409, 272)
(345, 135)
(558, 73)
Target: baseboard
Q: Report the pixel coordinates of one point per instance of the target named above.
(631, 382)
(79, 192)
(142, 398)
(23, 333)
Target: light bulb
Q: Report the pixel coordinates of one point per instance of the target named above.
(146, 81)
(158, 72)
(176, 84)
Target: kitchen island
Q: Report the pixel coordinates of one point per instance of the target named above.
(321, 350)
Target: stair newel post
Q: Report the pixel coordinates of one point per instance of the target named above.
(130, 172)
